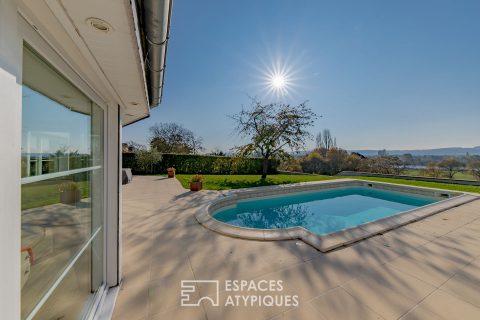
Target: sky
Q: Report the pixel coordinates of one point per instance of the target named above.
(48, 126)
(382, 74)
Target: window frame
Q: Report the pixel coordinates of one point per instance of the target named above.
(30, 37)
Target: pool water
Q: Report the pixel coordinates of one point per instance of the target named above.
(322, 212)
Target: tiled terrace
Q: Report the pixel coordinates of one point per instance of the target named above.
(426, 270)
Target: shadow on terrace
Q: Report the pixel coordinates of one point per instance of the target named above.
(384, 277)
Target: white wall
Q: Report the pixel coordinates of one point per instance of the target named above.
(11, 44)
(10, 142)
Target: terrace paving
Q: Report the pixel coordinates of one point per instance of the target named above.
(425, 270)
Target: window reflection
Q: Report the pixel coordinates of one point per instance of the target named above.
(62, 194)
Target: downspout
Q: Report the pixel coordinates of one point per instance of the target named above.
(156, 22)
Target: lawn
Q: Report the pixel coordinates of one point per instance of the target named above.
(225, 182)
(47, 192)
(464, 175)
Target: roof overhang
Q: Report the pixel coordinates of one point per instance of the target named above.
(106, 43)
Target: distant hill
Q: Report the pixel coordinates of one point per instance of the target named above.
(453, 151)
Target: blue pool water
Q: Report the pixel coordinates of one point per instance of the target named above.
(322, 212)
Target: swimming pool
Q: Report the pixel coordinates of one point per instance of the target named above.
(322, 212)
(326, 214)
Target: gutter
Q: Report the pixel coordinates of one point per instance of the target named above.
(155, 26)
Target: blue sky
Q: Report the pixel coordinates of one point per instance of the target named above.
(383, 74)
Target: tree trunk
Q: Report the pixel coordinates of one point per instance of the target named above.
(264, 168)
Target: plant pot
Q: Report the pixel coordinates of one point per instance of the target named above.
(196, 186)
(70, 197)
(171, 174)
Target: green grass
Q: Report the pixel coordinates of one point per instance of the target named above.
(438, 185)
(225, 182)
(47, 192)
(465, 175)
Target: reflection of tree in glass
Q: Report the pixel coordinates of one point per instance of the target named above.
(291, 215)
(279, 217)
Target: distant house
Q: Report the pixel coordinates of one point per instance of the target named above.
(72, 74)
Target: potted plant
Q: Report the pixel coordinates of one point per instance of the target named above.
(196, 183)
(171, 172)
(69, 192)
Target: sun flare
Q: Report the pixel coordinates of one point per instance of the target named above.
(278, 81)
(278, 77)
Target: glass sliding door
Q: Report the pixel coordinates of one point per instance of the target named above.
(62, 194)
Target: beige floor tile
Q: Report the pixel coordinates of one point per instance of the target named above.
(375, 250)
(420, 313)
(181, 313)
(434, 272)
(131, 303)
(450, 307)
(460, 287)
(339, 304)
(443, 250)
(162, 267)
(313, 278)
(465, 235)
(242, 310)
(471, 272)
(389, 292)
(231, 267)
(163, 243)
(303, 312)
(165, 293)
(402, 241)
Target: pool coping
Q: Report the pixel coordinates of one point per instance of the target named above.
(330, 241)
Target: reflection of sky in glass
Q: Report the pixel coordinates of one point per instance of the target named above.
(49, 126)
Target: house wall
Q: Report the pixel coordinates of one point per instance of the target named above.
(12, 34)
(10, 140)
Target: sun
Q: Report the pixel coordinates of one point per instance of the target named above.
(278, 81)
(278, 77)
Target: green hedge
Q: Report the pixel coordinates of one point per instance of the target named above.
(189, 163)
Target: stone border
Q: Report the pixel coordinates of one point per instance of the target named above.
(328, 242)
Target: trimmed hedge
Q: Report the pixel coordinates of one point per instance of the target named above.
(189, 163)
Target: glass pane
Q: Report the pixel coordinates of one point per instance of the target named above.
(73, 297)
(62, 191)
(56, 223)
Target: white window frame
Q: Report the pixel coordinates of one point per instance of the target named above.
(30, 36)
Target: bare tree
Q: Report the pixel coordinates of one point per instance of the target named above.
(132, 146)
(474, 166)
(432, 170)
(451, 166)
(325, 140)
(273, 128)
(173, 138)
(195, 143)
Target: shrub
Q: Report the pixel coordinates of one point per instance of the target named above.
(197, 178)
(147, 159)
(205, 164)
(222, 165)
(68, 186)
